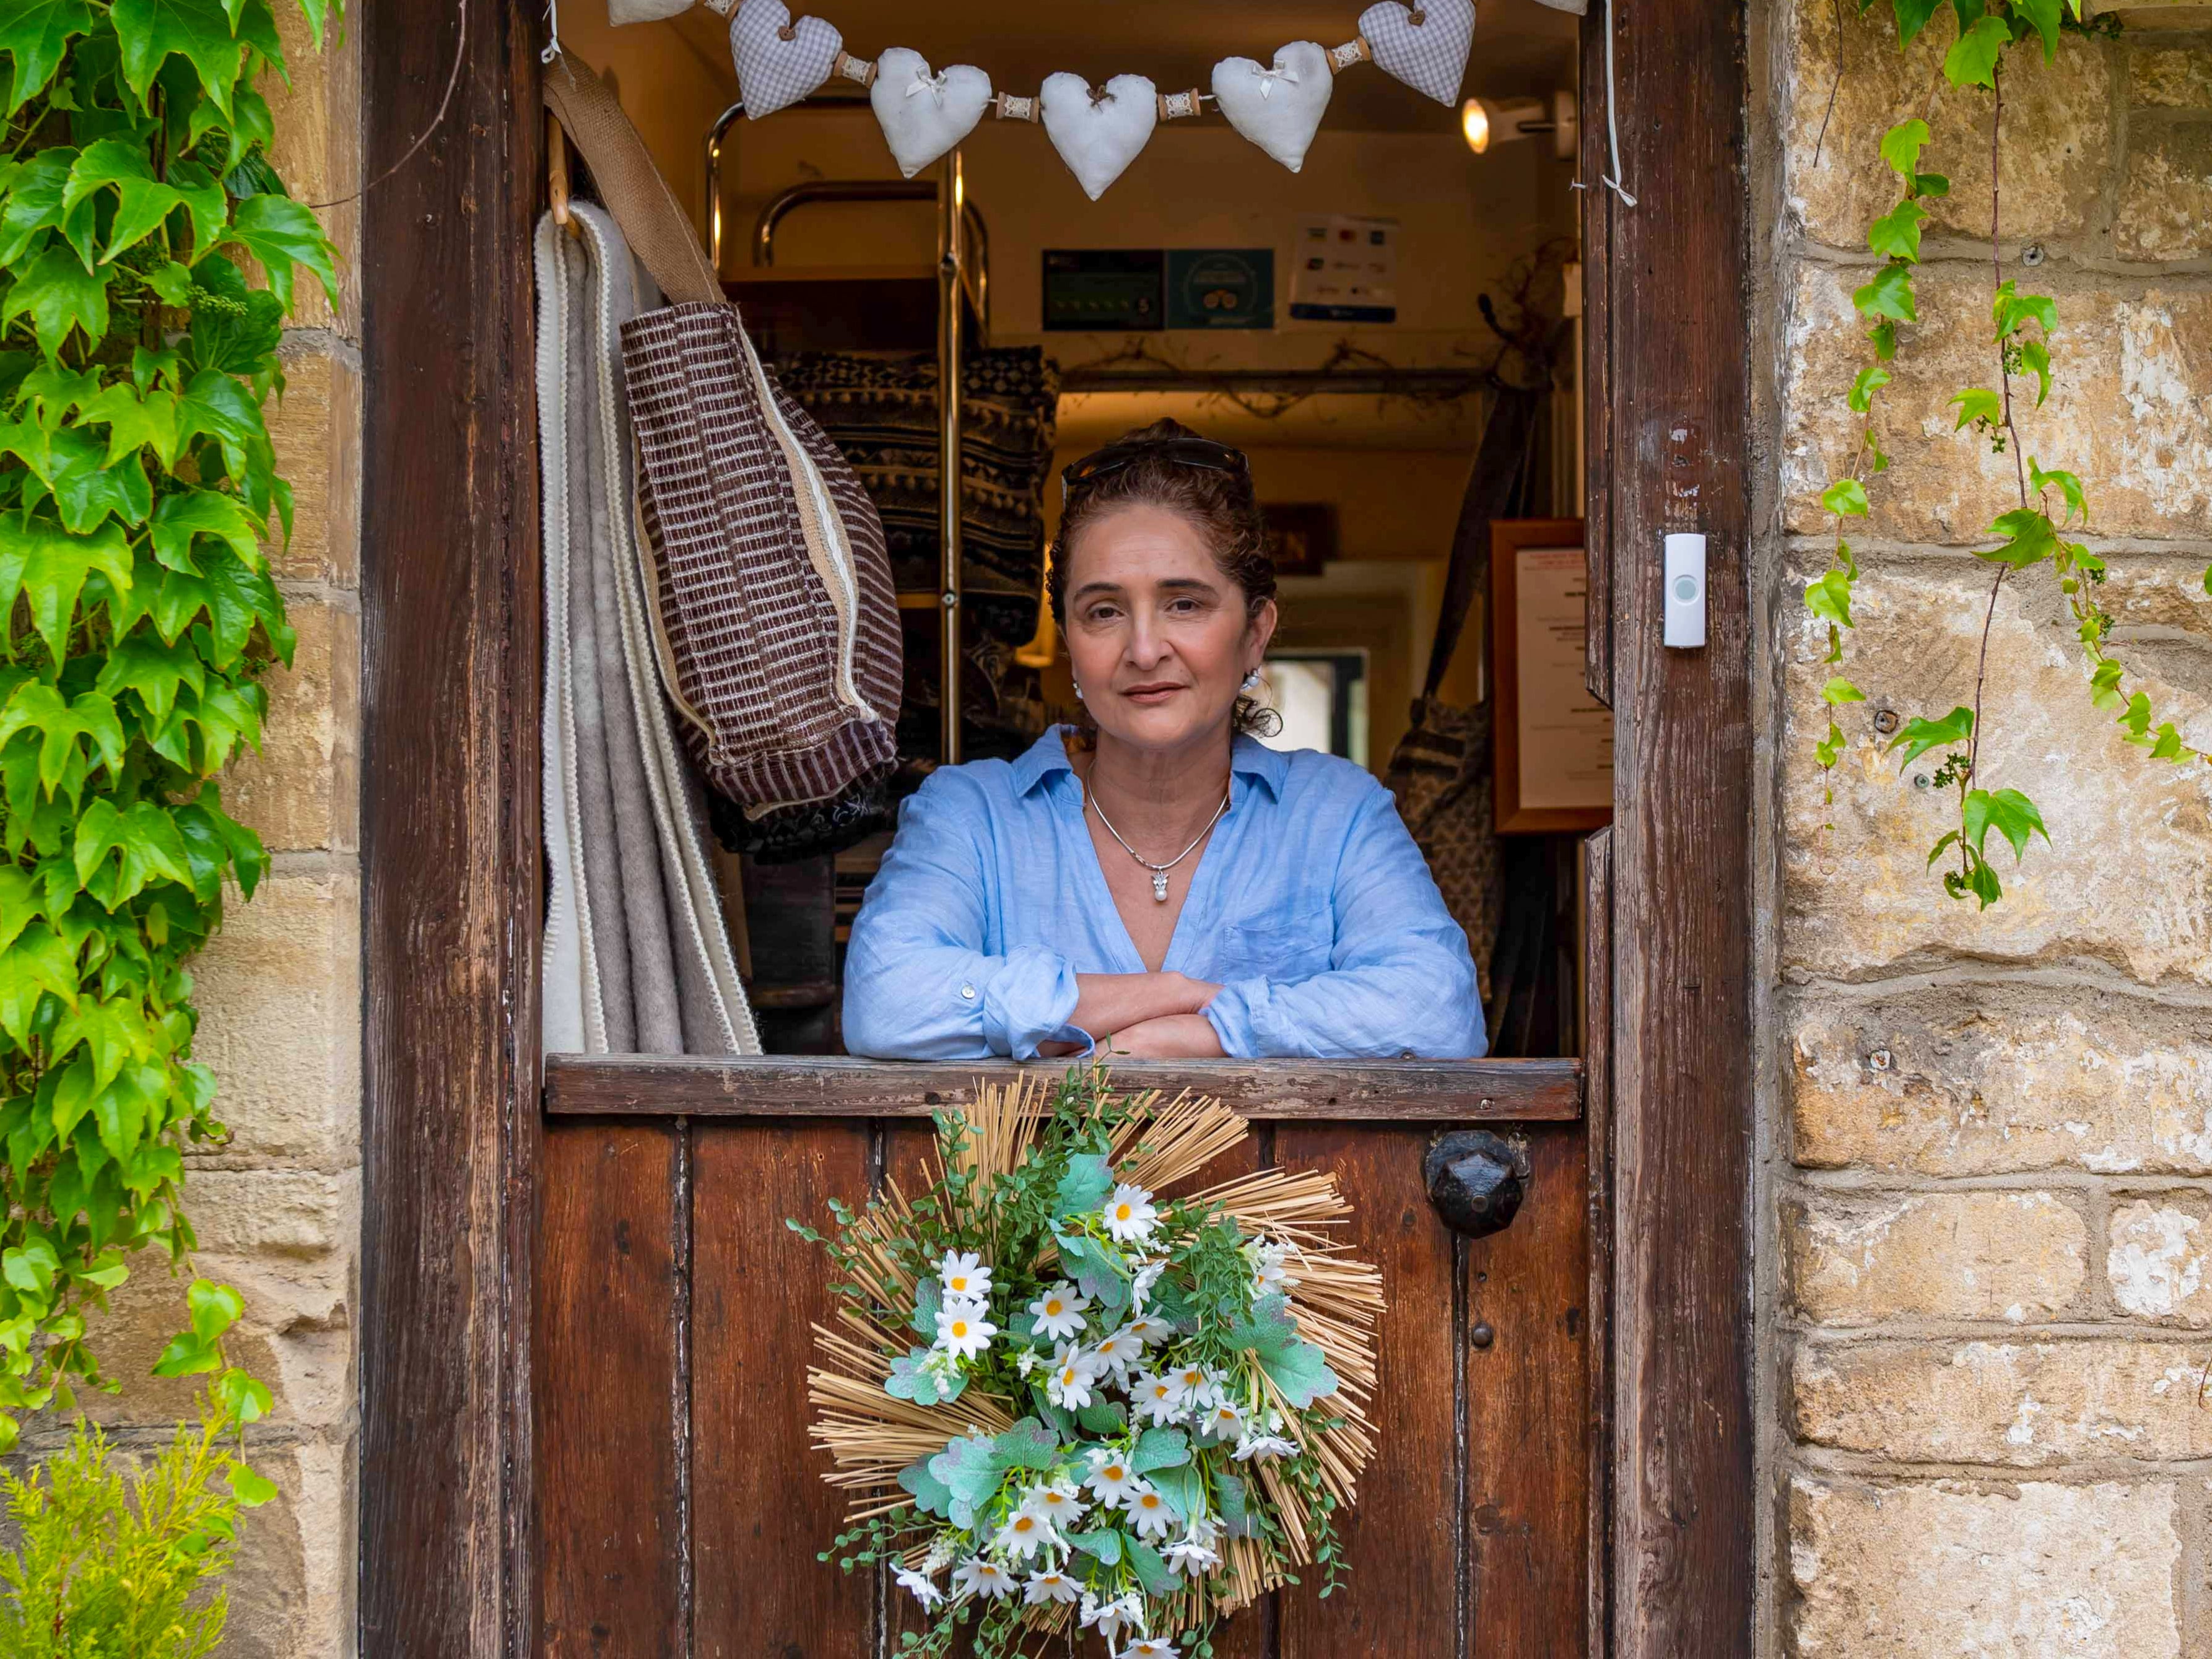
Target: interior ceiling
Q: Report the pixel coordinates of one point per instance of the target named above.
(1521, 48)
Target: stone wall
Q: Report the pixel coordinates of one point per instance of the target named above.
(1987, 1293)
(277, 1211)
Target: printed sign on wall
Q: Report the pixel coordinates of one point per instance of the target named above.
(1344, 269)
(1104, 290)
(1221, 288)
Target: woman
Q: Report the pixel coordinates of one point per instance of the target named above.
(1155, 883)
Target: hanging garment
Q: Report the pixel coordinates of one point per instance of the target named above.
(636, 958)
(880, 410)
(772, 604)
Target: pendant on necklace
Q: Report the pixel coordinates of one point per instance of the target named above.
(1159, 887)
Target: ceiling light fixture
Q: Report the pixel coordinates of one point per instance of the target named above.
(1488, 121)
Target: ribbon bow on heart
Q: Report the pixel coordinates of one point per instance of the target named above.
(1268, 77)
(932, 84)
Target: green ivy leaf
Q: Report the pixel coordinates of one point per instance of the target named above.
(34, 206)
(36, 706)
(1839, 691)
(39, 962)
(136, 419)
(251, 1490)
(113, 1031)
(179, 518)
(245, 1398)
(36, 34)
(1913, 16)
(2104, 684)
(48, 566)
(215, 1308)
(143, 200)
(2013, 310)
(2008, 811)
(1846, 498)
(2046, 15)
(1920, 734)
(1871, 379)
(281, 233)
(87, 490)
(2030, 539)
(1897, 233)
(203, 31)
(61, 297)
(153, 671)
(1978, 403)
(2035, 356)
(1888, 296)
(1829, 595)
(1972, 59)
(1901, 146)
(119, 852)
(2068, 485)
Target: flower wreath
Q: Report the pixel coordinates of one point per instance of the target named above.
(1129, 1412)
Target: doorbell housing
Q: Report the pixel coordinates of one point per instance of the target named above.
(1686, 591)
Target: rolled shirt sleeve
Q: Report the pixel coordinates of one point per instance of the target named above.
(919, 983)
(1400, 983)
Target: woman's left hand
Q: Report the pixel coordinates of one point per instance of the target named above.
(1175, 1036)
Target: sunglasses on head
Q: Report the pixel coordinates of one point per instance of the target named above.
(1202, 453)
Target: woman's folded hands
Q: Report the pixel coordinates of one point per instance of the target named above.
(1157, 1016)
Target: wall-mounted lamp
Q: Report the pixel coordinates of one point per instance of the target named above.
(1487, 121)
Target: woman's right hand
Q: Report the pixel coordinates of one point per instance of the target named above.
(1107, 1003)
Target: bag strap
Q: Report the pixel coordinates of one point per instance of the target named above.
(630, 187)
(1492, 485)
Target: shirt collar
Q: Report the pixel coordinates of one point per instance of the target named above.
(1248, 758)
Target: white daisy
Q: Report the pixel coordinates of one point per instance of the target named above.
(1059, 1504)
(1110, 1618)
(1267, 1265)
(1152, 1514)
(1026, 1361)
(1110, 1478)
(1194, 1384)
(1222, 1421)
(1049, 1584)
(965, 1328)
(1058, 1313)
(1265, 1447)
(1130, 1215)
(1150, 1331)
(1151, 1647)
(1026, 1533)
(964, 1275)
(1145, 1275)
(1154, 1398)
(925, 1592)
(977, 1576)
(1191, 1558)
(1118, 1351)
(1072, 1373)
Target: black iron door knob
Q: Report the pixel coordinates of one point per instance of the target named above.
(1475, 1182)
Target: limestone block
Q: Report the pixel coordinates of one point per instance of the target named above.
(2155, 1258)
(2023, 1569)
(2018, 1256)
(2057, 135)
(302, 792)
(1951, 1080)
(318, 152)
(279, 992)
(2153, 13)
(2129, 410)
(2126, 880)
(315, 430)
(2020, 1404)
(2170, 77)
(2165, 209)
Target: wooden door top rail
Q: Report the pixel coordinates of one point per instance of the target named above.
(1381, 1091)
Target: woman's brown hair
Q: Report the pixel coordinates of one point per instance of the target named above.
(1221, 503)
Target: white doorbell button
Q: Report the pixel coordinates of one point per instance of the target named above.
(1686, 591)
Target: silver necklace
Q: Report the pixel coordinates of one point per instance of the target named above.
(1159, 871)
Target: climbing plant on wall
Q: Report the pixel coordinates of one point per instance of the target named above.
(2031, 540)
(149, 254)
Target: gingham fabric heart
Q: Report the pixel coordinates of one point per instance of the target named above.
(774, 72)
(925, 115)
(1429, 56)
(1098, 136)
(1279, 109)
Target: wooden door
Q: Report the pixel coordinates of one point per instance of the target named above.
(679, 1507)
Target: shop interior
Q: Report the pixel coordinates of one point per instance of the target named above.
(1186, 290)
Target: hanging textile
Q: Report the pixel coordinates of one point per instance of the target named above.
(637, 959)
(880, 410)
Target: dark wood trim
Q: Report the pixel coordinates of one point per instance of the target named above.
(1597, 381)
(450, 607)
(1596, 911)
(1507, 537)
(1673, 401)
(1389, 1090)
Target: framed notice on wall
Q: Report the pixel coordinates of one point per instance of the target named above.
(1554, 741)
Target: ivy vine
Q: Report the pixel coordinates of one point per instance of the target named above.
(149, 254)
(2053, 503)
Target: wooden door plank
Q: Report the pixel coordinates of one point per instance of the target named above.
(1527, 1353)
(760, 1511)
(1403, 1539)
(608, 1415)
(1459, 1092)
(1597, 1146)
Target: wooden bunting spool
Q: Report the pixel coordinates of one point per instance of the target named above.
(855, 68)
(1354, 51)
(1177, 105)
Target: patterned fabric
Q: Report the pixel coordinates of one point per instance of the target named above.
(1429, 56)
(1440, 774)
(775, 71)
(881, 412)
(784, 700)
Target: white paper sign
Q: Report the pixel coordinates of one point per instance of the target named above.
(1344, 268)
(1565, 734)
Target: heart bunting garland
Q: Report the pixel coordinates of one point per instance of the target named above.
(1099, 133)
(779, 61)
(1279, 109)
(1425, 43)
(926, 113)
(923, 115)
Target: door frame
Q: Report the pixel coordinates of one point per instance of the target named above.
(452, 855)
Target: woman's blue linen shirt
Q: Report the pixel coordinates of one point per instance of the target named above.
(1310, 907)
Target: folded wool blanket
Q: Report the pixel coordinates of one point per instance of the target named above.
(636, 958)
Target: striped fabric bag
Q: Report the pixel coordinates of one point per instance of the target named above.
(777, 622)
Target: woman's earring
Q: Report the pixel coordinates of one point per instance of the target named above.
(1079, 694)
(1251, 682)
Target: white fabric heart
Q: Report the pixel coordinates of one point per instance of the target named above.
(1429, 56)
(1099, 135)
(1278, 109)
(779, 61)
(925, 115)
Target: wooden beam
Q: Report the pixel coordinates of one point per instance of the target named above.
(1388, 1090)
(1672, 394)
(449, 827)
